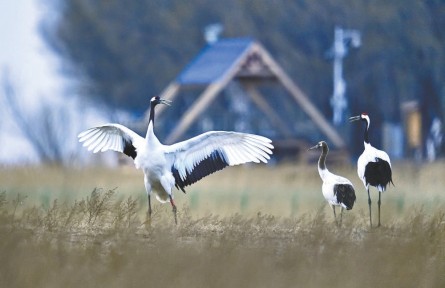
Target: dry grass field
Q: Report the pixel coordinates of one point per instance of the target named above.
(251, 226)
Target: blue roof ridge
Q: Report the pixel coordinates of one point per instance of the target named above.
(214, 61)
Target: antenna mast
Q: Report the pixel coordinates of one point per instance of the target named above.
(343, 38)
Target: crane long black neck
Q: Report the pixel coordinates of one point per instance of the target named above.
(366, 136)
(322, 160)
(151, 118)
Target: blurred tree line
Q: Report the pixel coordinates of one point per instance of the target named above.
(127, 51)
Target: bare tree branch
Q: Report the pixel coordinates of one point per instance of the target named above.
(46, 130)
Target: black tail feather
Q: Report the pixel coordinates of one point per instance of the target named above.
(345, 195)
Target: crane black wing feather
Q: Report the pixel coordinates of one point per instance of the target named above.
(345, 194)
(111, 137)
(207, 153)
(214, 162)
(378, 173)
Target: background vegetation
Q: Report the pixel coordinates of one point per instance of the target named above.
(237, 228)
(127, 52)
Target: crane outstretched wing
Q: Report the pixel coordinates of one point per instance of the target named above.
(212, 151)
(111, 137)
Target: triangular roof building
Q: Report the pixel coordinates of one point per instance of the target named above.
(247, 62)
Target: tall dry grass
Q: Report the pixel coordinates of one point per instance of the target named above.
(243, 227)
(285, 190)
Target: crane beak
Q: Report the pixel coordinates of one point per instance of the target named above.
(165, 102)
(355, 118)
(312, 148)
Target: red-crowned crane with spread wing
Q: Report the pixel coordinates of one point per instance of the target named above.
(180, 164)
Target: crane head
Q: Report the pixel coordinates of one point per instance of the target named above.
(319, 145)
(158, 100)
(363, 116)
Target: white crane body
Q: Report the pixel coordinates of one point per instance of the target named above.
(332, 188)
(376, 156)
(180, 164)
(337, 190)
(373, 166)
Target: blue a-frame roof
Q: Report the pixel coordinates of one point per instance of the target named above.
(214, 61)
(243, 58)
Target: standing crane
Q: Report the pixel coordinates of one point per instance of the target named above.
(337, 190)
(180, 164)
(373, 166)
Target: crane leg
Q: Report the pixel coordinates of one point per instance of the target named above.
(335, 214)
(149, 207)
(369, 204)
(380, 201)
(341, 215)
(174, 209)
(149, 211)
(147, 222)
